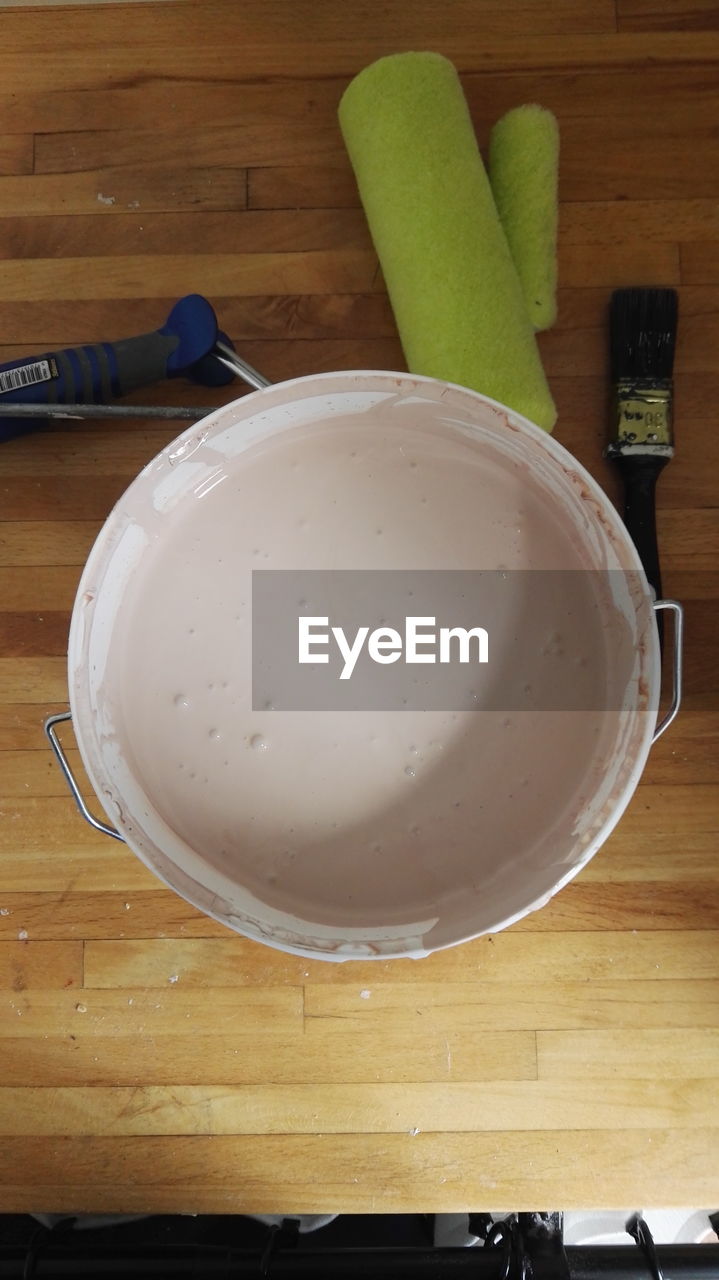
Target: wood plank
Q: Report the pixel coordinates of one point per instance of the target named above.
(157, 913)
(186, 102)
(185, 26)
(51, 588)
(288, 142)
(16, 153)
(141, 963)
(697, 339)
(35, 773)
(270, 231)
(69, 857)
(456, 1007)
(33, 679)
(330, 315)
(700, 263)
(91, 451)
(205, 60)
(596, 155)
(505, 957)
(688, 539)
(654, 905)
(171, 275)
(54, 827)
(28, 498)
(255, 1010)
(307, 187)
(372, 1172)
(21, 725)
(628, 221)
(689, 754)
(659, 809)
(74, 4)
(346, 1108)
(30, 966)
(311, 137)
(588, 307)
(33, 634)
(46, 542)
(628, 857)
(191, 1059)
(644, 262)
(154, 188)
(669, 15)
(664, 1054)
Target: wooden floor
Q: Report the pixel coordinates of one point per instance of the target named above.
(151, 1060)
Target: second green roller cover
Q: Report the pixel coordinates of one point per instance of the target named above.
(457, 299)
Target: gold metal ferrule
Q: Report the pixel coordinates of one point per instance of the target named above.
(644, 414)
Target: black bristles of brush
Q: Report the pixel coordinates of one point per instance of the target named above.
(643, 328)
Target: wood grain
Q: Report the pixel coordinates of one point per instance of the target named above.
(448, 1171)
(364, 316)
(640, 1055)
(586, 956)
(184, 1057)
(149, 1059)
(102, 192)
(683, 15)
(234, 102)
(90, 1013)
(16, 153)
(369, 1108)
(46, 542)
(170, 275)
(187, 26)
(38, 966)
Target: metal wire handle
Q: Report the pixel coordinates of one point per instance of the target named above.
(70, 778)
(677, 664)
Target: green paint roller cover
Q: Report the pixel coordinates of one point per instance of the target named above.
(523, 168)
(456, 295)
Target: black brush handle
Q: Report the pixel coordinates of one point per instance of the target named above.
(640, 473)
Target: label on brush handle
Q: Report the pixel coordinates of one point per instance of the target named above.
(644, 414)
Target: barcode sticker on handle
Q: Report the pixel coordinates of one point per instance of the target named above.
(26, 375)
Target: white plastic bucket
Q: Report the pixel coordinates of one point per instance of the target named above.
(503, 896)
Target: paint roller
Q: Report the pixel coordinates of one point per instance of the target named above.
(456, 293)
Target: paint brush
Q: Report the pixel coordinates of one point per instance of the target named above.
(643, 326)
